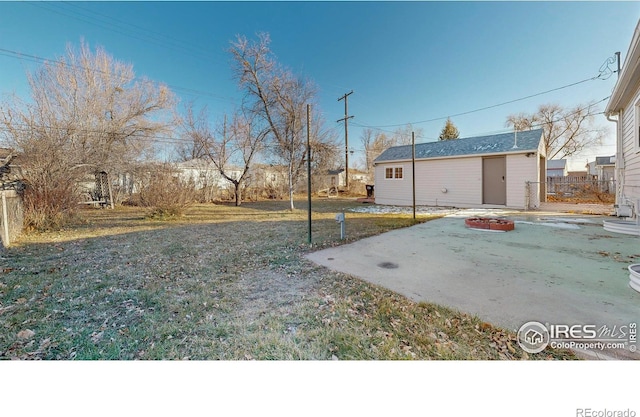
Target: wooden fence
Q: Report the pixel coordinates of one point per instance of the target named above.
(573, 185)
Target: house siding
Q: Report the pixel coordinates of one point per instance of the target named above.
(520, 169)
(631, 171)
(455, 182)
(396, 192)
(449, 182)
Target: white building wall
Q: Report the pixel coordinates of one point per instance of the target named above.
(455, 182)
(449, 182)
(631, 173)
(521, 169)
(395, 192)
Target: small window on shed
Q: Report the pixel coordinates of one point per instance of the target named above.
(388, 173)
(398, 173)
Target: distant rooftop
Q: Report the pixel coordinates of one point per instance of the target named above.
(556, 163)
(605, 160)
(527, 141)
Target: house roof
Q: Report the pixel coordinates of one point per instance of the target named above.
(556, 163)
(527, 141)
(335, 171)
(605, 160)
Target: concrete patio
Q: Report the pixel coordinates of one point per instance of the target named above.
(558, 268)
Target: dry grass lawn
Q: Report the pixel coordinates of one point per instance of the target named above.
(222, 282)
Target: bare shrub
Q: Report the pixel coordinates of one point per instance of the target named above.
(165, 193)
(49, 205)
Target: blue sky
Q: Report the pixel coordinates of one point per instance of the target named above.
(406, 62)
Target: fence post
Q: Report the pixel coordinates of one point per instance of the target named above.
(527, 195)
(5, 219)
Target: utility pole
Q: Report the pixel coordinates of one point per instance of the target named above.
(309, 168)
(346, 136)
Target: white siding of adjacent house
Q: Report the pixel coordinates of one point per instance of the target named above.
(455, 182)
(630, 152)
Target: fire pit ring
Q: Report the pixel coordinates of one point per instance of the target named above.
(489, 224)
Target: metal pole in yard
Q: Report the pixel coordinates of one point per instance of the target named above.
(309, 167)
(413, 170)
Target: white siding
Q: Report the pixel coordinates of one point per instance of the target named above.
(631, 172)
(520, 169)
(393, 191)
(455, 182)
(449, 182)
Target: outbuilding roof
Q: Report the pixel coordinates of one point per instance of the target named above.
(527, 141)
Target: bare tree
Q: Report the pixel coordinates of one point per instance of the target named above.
(374, 144)
(402, 135)
(235, 143)
(87, 113)
(566, 132)
(278, 99)
(196, 135)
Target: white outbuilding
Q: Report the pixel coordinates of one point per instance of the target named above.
(505, 170)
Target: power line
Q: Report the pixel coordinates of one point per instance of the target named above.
(491, 106)
(38, 59)
(123, 28)
(497, 132)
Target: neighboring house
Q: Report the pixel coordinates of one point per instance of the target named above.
(10, 163)
(196, 170)
(357, 175)
(336, 178)
(203, 173)
(605, 167)
(557, 168)
(591, 169)
(268, 180)
(624, 109)
(261, 180)
(472, 172)
(266, 176)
